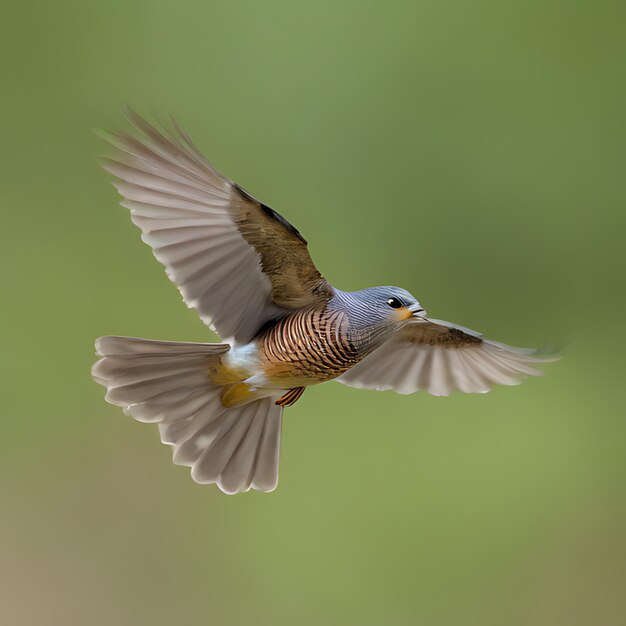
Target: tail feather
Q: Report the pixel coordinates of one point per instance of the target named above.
(267, 455)
(174, 409)
(225, 433)
(167, 383)
(238, 472)
(128, 346)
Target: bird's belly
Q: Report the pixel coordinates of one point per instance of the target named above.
(296, 374)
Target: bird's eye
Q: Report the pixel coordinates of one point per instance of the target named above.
(394, 303)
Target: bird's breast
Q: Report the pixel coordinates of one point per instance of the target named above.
(307, 347)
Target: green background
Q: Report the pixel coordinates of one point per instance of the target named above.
(472, 152)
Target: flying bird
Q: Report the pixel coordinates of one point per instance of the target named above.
(248, 273)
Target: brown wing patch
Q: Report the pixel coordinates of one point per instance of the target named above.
(284, 255)
(429, 333)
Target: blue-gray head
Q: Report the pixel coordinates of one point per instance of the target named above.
(377, 312)
(389, 304)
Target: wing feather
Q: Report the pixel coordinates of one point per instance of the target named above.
(440, 357)
(235, 260)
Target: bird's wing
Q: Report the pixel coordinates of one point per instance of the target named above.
(234, 260)
(440, 357)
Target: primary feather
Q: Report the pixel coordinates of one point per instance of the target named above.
(440, 357)
(234, 260)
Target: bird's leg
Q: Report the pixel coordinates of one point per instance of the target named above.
(291, 397)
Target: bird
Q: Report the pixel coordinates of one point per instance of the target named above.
(283, 327)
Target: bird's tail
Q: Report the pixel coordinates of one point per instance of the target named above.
(167, 383)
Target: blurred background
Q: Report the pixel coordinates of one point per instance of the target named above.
(472, 152)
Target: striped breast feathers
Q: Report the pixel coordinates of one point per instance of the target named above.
(311, 344)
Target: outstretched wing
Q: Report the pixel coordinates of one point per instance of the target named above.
(234, 260)
(440, 357)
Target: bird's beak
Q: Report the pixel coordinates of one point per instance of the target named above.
(417, 311)
(409, 312)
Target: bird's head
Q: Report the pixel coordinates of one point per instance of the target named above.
(391, 304)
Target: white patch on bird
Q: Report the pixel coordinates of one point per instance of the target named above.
(245, 357)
